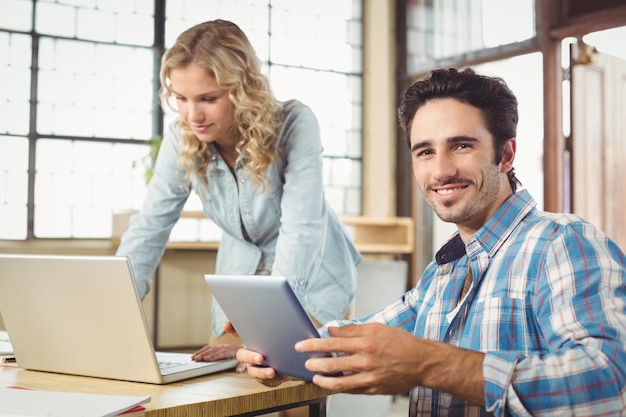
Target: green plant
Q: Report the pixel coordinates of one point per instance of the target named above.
(149, 159)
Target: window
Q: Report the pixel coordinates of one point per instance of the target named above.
(78, 99)
(438, 29)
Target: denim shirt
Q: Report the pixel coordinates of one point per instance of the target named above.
(287, 229)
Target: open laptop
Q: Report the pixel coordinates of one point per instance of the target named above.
(81, 315)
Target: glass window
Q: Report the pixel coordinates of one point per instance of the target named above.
(15, 57)
(79, 183)
(13, 187)
(94, 105)
(16, 15)
(438, 29)
(108, 92)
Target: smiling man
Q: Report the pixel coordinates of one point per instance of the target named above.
(522, 312)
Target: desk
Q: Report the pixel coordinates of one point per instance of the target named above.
(219, 395)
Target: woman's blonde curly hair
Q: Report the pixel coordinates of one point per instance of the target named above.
(224, 51)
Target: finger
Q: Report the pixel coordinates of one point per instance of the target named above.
(345, 331)
(250, 357)
(203, 350)
(355, 330)
(261, 372)
(228, 328)
(266, 376)
(327, 345)
(198, 355)
(220, 352)
(335, 364)
(351, 384)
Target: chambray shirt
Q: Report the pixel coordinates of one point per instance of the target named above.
(547, 307)
(287, 229)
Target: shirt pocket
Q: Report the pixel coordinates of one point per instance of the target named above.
(507, 324)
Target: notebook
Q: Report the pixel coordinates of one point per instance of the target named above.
(81, 315)
(268, 317)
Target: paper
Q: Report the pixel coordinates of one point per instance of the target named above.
(34, 403)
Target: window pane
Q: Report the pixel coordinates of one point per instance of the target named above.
(13, 187)
(15, 51)
(56, 19)
(84, 182)
(16, 15)
(109, 21)
(342, 179)
(610, 41)
(443, 28)
(313, 41)
(98, 98)
(251, 16)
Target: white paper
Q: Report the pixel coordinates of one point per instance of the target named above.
(17, 402)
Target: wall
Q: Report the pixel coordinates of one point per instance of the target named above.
(379, 119)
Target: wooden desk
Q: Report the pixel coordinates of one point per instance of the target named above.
(220, 395)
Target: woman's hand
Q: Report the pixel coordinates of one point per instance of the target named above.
(211, 353)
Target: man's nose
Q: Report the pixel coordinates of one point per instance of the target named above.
(444, 167)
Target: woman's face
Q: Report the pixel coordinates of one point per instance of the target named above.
(203, 105)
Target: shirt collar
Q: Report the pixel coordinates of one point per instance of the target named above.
(493, 233)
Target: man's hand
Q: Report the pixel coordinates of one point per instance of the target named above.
(376, 359)
(379, 359)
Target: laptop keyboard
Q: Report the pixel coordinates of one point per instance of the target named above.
(168, 360)
(168, 365)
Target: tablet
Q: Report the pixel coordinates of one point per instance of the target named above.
(268, 317)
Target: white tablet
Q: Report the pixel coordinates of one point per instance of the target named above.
(268, 317)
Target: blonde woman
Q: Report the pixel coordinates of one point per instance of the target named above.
(256, 165)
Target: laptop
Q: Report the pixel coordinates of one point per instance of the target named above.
(268, 317)
(81, 315)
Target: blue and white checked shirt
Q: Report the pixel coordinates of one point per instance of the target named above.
(547, 307)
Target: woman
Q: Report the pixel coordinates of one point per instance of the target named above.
(256, 165)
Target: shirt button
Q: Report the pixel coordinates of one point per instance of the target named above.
(241, 181)
(301, 282)
(248, 213)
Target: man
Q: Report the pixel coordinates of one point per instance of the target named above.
(522, 312)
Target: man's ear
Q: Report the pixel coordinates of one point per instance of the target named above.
(508, 155)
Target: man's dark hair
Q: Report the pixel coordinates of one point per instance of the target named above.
(491, 95)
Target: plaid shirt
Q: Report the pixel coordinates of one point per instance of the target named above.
(547, 307)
